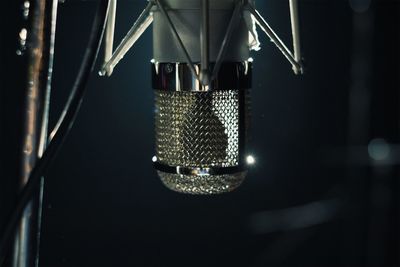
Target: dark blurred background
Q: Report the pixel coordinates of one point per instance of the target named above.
(324, 189)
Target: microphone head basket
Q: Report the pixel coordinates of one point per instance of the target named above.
(201, 134)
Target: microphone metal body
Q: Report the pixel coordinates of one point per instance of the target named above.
(201, 75)
(200, 129)
(201, 135)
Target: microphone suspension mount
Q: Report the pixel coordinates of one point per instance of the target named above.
(207, 72)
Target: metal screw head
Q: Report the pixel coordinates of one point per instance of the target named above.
(168, 68)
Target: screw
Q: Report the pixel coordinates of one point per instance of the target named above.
(168, 68)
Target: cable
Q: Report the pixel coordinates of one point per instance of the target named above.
(63, 127)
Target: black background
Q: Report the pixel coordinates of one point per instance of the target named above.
(313, 198)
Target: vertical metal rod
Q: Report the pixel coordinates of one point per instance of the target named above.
(178, 38)
(274, 38)
(225, 43)
(294, 18)
(109, 35)
(205, 43)
(45, 119)
(40, 53)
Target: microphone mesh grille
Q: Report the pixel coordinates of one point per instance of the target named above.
(202, 185)
(197, 129)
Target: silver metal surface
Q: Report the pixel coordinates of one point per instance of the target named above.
(297, 66)
(228, 36)
(202, 185)
(294, 18)
(187, 19)
(181, 17)
(214, 170)
(40, 55)
(109, 34)
(178, 77)
(142, 23)
(205, 43)
(198, 133)
(189, 61)
(197, 129)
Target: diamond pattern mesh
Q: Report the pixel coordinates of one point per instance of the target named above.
(197, 129)
(202, 185)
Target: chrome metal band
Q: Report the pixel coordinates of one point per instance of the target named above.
(198, 171)
(178, 77)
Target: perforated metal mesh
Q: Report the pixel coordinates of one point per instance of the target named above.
(210, 184)
(197, 129)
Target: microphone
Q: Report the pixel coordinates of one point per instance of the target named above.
(201, 134)
(201, 77)
(200, 129)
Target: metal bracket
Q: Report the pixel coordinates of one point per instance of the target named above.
(205, 43)
(227, 38)
(204, 75)
(294, 18)
(178, 38)
(295, 59)
(110, 27)
(139, 27)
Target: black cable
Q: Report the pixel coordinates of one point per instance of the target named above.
(63, 126)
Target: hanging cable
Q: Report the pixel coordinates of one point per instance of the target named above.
(62, 128)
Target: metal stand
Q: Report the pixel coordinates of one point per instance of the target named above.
(139, 27)
(39, 37)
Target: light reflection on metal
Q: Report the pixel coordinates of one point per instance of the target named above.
(205, 43)
(178, 77)
(109, 34)
(241, 7)
(25, 12)
(225, 43)
(294, 19)
(189, 61)
(38, 40)
(142, 23)
(22, 36)
(297, 66)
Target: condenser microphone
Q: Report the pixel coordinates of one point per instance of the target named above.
(201, 77)
(200, 129)
(200, 135)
